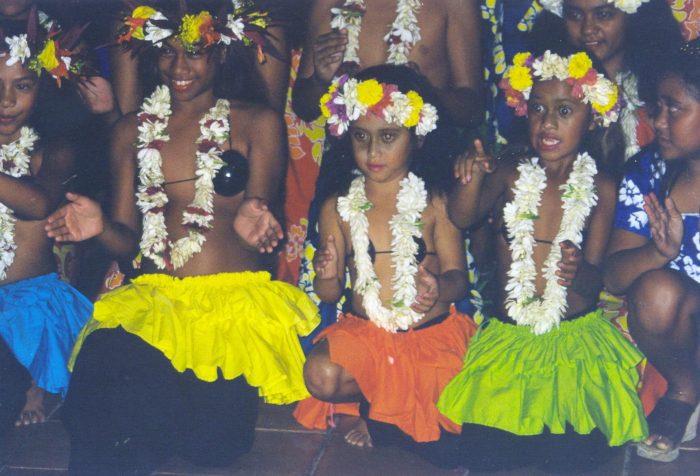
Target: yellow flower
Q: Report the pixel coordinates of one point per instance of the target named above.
(416, 103)
(612, 100)
(520, 78)
(324, 109)
(143, 12)
(579, 65)
(47, 59)
(190, 32)
(521, 58)
(369, 92)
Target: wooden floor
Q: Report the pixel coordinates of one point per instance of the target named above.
(283, 448)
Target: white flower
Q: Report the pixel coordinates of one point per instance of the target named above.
(551, 66)
(630, 193)
(154, 33)
(19, 49)
(236, 25)
(428, 120)
(638, 220)
(627, 6)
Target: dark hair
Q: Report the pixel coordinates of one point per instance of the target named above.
(651, 33)
(432, 162)
(683, 63)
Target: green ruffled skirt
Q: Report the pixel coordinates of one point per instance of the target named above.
(582, 374)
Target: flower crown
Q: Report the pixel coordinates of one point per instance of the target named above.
(587, 84)
(627, 6)
(46, 48)
(347, 99)
(146, 26)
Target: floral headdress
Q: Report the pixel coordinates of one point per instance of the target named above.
(145, 26)
(627, 6)
(588, 85)
(45, 47)
(347, 99)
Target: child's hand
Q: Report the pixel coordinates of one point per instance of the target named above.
(79, 220)
(326, 260)
(475, 162)
(666, 224)
(571, 257)
(257, 226)
(97, 94)
(328, 54)
(428, 290)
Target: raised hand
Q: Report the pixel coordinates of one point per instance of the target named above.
(328, 54)
(326, 260)
(79, 220)
(257, 226)
(97, 94)
(474, 162)
(428, 290)
(666, 225)
(571, 257)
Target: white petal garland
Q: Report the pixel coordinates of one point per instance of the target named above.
(628, 115)
(14, 161)
(151, 197)
(404, 32)
(405, 225)
(578, 197)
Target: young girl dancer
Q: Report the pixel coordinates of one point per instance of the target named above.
(387, 223)
(655, 251)
(547, 368)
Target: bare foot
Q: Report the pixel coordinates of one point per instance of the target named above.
(359, 435)
(33, 411)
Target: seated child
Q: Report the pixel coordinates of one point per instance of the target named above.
(547, 380)
(655, 251)
(40, 316)
(387, 222)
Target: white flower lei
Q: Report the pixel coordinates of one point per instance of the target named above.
(628, 117)
(151, 196)
(627, 6)
(578, 197)
(404, 32)
(405, 225)
(14, 161)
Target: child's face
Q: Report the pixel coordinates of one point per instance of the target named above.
(382, 150)
(186, 74)
(556, 120)
(596, 26)
(18, 92)
(677, 120)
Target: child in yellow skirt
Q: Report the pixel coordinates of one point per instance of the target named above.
(389, 357)
(174, 362)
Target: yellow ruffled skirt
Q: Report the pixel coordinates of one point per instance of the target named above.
(232, 323)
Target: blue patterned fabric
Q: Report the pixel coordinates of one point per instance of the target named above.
(644, 174)
(40, 319)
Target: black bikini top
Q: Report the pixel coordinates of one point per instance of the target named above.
(504, 232)
(230, 179)
(421, 253)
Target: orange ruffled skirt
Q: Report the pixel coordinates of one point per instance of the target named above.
(400, 374)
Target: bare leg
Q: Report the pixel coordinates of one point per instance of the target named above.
(663, 318)
(33, 411)
(331, 383)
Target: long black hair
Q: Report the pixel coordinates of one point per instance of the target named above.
(651, 33)
(684, 63)
(432, 161)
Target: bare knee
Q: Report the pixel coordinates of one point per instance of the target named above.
(322, 377)
(655, 300)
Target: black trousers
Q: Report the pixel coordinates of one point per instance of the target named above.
(490, 449)
(128, 410)
(14, 383)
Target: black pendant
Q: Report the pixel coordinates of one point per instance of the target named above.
(232, 178)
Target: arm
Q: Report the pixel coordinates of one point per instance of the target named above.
(631, 255)
(275, 72)
(34, 198)
(453, 281)
(463, 99)
(125, 79)
(329, 261)
(322, 56)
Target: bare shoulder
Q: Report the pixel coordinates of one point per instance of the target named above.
(458, 6)
(330, 206)
(438, 205)
(57, 153)
(255, 118)
(125, 129)
(606, 186)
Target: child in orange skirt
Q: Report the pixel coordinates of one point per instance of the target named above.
(390, 356)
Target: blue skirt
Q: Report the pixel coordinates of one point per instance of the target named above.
(40, 319)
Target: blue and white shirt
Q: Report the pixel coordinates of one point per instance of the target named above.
(643, 174)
